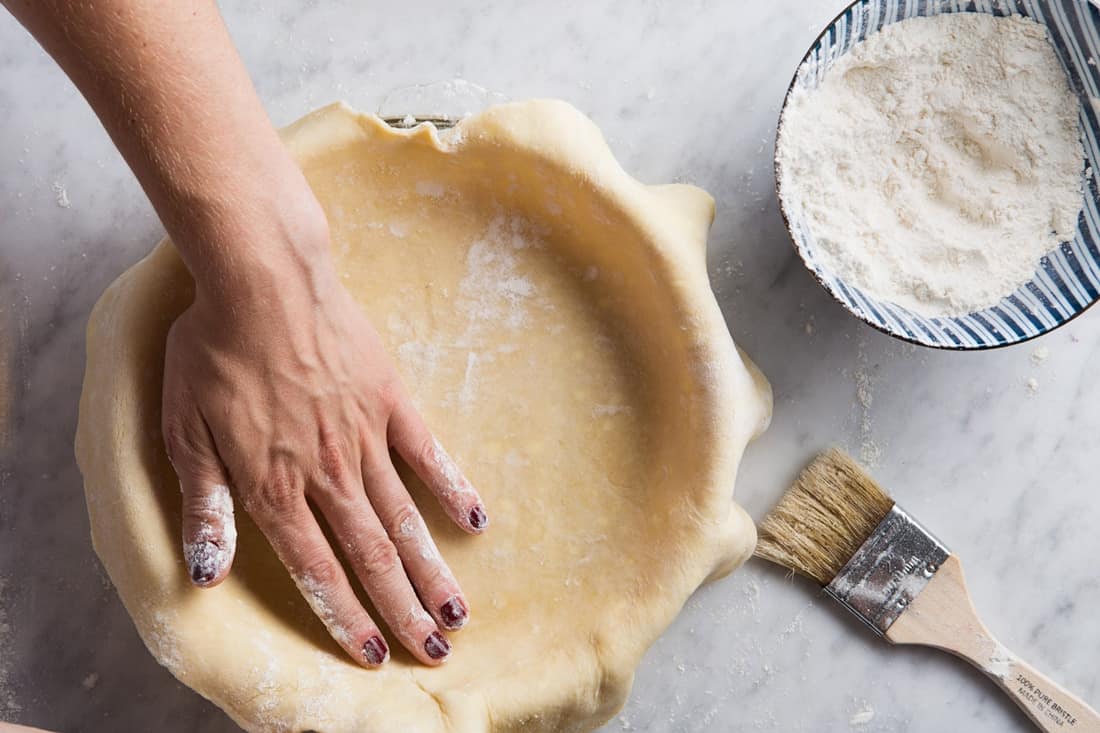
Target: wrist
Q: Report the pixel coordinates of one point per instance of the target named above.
(244, 255)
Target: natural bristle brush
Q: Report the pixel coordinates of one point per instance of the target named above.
(836, 526)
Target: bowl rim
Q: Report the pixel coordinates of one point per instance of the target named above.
(809, 266)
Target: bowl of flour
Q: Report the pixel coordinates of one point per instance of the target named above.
(936, 166)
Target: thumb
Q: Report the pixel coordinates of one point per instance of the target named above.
(209, 532)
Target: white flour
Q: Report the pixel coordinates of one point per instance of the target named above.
(938, 161)
(318, 598)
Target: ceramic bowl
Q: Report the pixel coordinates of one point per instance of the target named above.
(1068, 278)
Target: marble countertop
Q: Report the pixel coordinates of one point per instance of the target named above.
(1000, 466)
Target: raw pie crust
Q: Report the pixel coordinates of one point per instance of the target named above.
(554, 319)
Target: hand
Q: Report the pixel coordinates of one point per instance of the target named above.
(277, 389)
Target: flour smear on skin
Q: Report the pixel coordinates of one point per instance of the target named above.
(937, 161)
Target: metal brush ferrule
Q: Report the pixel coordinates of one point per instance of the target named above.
(888, 571)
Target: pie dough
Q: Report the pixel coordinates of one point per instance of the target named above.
(554, 319)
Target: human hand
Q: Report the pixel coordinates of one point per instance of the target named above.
(279, 387)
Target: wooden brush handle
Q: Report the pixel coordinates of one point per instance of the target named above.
(943, 616)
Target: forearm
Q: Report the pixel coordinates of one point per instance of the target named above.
(167, 84)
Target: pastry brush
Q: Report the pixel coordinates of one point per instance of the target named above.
(837, 527)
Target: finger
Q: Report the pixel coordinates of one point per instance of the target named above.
(209, 530)
(298, 541)
(378, 566)
(414, 443)
(433, 581)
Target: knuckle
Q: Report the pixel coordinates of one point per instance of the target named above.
(435, 577)
(179, 439)
(330, 458)
(210, 509)
(375, 470)
(404, 523)
(198, 513)
(388, 395)
(378, 556)
(277, 497)
(425, 451)
(323, 573)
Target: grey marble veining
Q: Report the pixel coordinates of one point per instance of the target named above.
(685, 91)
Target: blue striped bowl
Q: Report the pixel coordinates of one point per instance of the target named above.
(1068, 279)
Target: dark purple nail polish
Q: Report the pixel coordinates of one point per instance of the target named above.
(478, 520)
(375, 650)
(201, 575)
(204, 559)
(436, 646)
(453, 613)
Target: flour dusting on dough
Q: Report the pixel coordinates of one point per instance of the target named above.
(469, 382)
(421, 359)
(599, 410)
(494, 292)
(495, 295)
(163, 642)
(264, 675)
(431, 189)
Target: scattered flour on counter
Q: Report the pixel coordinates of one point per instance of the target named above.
(1040, 355)
(62, 195)
(938, 160)
(1032, 385)
(862, 717)
(870, 452)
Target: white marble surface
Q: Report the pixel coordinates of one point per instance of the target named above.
(685, 91)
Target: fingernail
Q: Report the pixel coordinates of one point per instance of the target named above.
(436, 646)
(201, 575)
(453, 613)
(478, 520)
(202, 561)
(375, 651)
